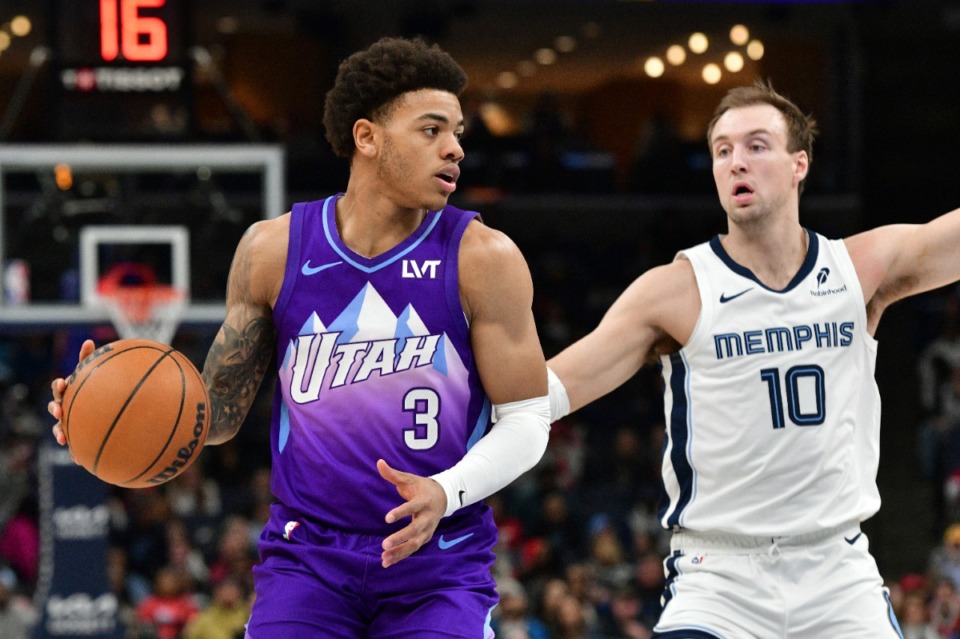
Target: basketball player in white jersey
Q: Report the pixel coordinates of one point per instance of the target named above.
(765, 335)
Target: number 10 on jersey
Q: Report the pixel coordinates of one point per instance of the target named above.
(804, 389)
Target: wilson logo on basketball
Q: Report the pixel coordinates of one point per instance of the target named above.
(186, 452)
(106, 348)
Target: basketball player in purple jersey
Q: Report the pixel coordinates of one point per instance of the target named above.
(401, 326)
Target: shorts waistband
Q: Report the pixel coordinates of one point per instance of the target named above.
(687, 540)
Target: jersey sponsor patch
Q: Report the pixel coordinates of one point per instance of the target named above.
(413, 269)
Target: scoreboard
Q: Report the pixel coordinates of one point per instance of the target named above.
(122, 69)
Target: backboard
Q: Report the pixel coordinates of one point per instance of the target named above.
(70, 213)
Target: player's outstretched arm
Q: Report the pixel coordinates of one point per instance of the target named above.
(656, 313)
(900, 260)
(243, 348)
(497, 292)
(58, 387)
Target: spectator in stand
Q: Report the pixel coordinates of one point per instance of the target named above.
(193, 495)
(145, 539)
(945, 559)
(621, 619)
(566, 453)
(20, 546)
(260, 500)
(582, 582)
(236, 552)
(646, 534)
(944, 608)
(509, 537)
(231, 468)
(170, 607)
(16, 614)
(509, 527)
(608, 559)
(648, 581)
(552, 594)
(570, 622)
(128, 588)
(226, 616)
(560, 526)
(915, 618)
(512, 618)
(182, 554)
(195, 499)
(896, 592)
(538, 565)
(19, 536)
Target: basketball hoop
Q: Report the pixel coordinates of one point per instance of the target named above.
(150, 311)
(138, 305)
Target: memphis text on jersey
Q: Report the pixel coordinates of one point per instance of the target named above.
(779, 339)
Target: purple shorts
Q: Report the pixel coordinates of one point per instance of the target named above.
(316, 582)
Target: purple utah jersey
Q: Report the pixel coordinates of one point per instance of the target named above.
(374, 362)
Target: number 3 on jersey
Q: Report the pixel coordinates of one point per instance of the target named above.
(804, 388)
(424, 403)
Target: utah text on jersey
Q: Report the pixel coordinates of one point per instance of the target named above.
(340, 354)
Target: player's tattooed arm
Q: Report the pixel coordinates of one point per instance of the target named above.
(235, 366)
(244, 346)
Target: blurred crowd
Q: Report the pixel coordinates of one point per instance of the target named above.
(580, 551)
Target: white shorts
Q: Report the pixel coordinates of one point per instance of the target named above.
(824, 585)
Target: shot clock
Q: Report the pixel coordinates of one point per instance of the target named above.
(122, 69)
(123, 29)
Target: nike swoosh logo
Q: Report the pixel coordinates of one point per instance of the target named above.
(444, 544)
(312, 270)
(724, 299)
(854, 540)
(462, 493)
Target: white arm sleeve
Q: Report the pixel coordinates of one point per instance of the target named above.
(512, 447)
(559, 402)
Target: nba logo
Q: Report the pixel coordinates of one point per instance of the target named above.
(288, 528)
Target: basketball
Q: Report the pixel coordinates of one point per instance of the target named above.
(135, 413)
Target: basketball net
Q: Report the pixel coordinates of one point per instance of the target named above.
(150, 311)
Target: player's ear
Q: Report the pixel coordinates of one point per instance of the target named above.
(801, 166)
(366, 137)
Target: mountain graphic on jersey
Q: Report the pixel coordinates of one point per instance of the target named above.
(366, 354)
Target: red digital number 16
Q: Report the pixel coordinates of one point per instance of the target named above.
(141, 38)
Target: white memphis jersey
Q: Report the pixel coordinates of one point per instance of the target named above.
(772, 410)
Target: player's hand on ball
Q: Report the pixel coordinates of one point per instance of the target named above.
(425, 505)
(58, 386)
(135, 412)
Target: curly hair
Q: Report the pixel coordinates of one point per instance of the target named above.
(369, 81)
(801, 129)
